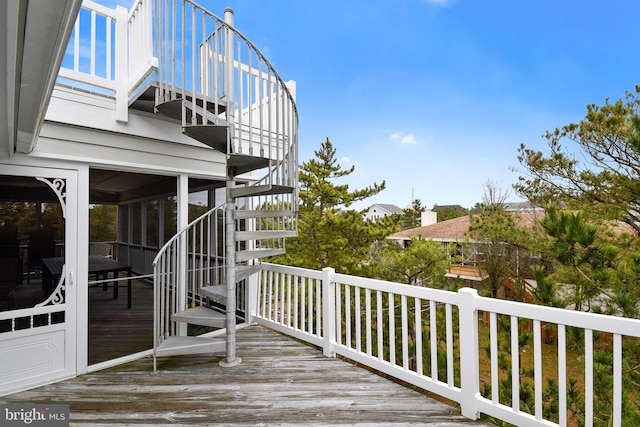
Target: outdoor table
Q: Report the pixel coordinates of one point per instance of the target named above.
(98, 265)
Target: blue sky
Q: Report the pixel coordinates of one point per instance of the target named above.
(435, 96)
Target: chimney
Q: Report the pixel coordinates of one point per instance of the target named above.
(428, 218)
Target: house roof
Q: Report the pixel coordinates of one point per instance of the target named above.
(437, 208)
(447, 231)
(455, 229)
(388, 207)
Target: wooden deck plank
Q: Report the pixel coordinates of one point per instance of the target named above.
(280, 383)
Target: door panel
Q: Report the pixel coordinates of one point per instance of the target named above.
(37, 322)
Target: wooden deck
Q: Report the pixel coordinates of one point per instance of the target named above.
(114, 329)
(280, 382)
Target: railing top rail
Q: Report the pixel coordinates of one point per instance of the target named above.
(413, 291)
(312, 274)
(98, 8)
(562, 316)
(438, 295)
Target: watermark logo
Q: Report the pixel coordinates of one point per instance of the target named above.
(29, 414)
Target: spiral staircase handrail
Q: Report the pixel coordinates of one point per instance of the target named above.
(182, 231)
(253, 47)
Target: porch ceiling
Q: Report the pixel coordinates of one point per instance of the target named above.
(18, 189)
(105, 186)
(110, 187)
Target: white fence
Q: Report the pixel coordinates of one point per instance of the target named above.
(461, 346)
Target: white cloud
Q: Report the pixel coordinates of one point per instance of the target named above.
(440, 3)
(408, 139)
(346, 161)
(403, 138)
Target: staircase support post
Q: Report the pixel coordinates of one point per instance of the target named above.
(230, 275)
(230, 231)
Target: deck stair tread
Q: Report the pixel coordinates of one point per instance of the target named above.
(258, 213)
(201, 316)
(179, 345)
(244, 163)
(264, 234)
(260, 190)
(247, 255)
(145, 100)
(217, 292)
(214, 136)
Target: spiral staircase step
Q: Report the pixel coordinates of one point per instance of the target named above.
(178, 345)
(248, 255)
(215, 136)
(261, 214)
(201, 316)
(243, 236)
(260, 190)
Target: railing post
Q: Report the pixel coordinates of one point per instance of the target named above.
(469, 366)
(253, 283)
(328, 312)
(122, 65)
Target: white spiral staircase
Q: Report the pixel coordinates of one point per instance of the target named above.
(228, 96)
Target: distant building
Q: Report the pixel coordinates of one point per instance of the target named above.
(522, 207)
(380, 210)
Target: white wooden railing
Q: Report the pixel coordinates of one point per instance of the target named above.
(111, 51)
(435, 340)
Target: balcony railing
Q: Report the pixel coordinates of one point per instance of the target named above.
(111, 51)
(439, 341)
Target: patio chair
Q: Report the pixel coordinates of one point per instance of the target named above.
(103, 249)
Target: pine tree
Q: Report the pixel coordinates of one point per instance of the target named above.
(328, 234)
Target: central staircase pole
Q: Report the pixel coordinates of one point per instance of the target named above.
(230, 230)
(230, 275)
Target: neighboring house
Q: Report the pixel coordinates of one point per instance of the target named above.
(105, 106)
(381, 210)
(455, 231)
